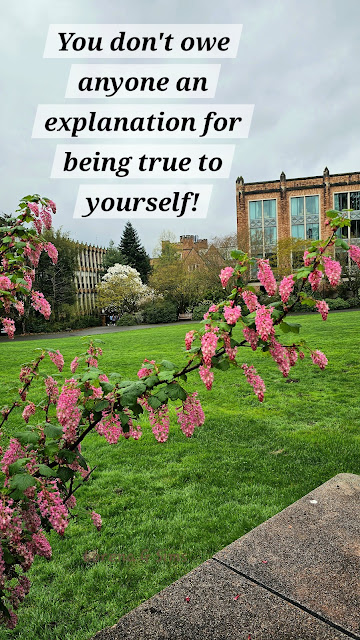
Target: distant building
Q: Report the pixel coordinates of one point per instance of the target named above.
(294, 208)
(196, 253)
(89, 273)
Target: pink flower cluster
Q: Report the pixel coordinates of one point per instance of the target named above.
(9, 327)
(40, 304)
(263, 322)
(286, 287)
(5, 283)
(315, 278)
(323, 308)
(280, 355)
(28, 411)
(252, 337)
(255, 381)
(96, 518)
(189, 338)
(191, 415)
(232, 314)
(110, 427)
(52, 390)
(308, 261)
(250, 300)
(74, 364)
(57, 358)
(208, 347)
(266, 277)
(51, 506)
(230, 351)
(52, 252)
(160, 422)
(67, 411)
(319, 358)
(354, 253)
(332, 270)
(225, 275)
(207, 376)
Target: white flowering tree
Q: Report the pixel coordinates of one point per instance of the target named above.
(122, 290)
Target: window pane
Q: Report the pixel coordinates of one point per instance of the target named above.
(297, 206)
(340, 201)
(256, 240)
(269, 208)
(355, 200)
(270, 236)
(312, 204)
(297, 231)
(355, 229)
(312, 231)
(255, 210)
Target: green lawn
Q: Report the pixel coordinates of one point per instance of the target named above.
(191, 496)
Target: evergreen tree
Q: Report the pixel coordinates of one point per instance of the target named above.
(113, 256)
(135, 254)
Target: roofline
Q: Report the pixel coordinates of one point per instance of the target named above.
(348, 173)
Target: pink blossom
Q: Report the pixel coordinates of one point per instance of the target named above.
(28, 411)
(207, 376)
(280, 355)
(51, 506)
(96, 518)
(74, 365)
(9, 327)
(315, 278)
(263, 322)
(266, 276)
(144, 372)
(29, 281)
(286, 287)
(208, 347)
(51, 389)
(354, 253)
(103, 377)
(319, 358)
(52, 252)
(252, 337)
(189, 338)
(19, 306)
(52, 206)
(41, 545)
(57, 359)
(5, 283)
(230, 351)
(191, 415)
(67, 411)
(38, 225)
(92, 362)
(254, 379)
(71, 502)
(232, 314)
(292, 355)
(308, 261)
(33, 208)
(13, 453)
(40, 304)
(332, 270)
(110, 427)
(45, 215)
(225, 275)
(323, 308)
(250, 300)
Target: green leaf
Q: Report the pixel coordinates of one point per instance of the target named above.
(100, 406)
(132, 393)
(151, 381)
(166, 375)
(175, 392)
(290, 327)
(107, 387)
(44, 470)
(162, 396)
(237, 254)
(66, 454)
(27, 437)
(64, 473)
(339, 242)
(53, 431)
(166, 364)
(154, 402)
(18, 466)
(20, 482)
(222, 364)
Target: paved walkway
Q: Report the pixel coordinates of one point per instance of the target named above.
(295, 577)
(90, 331)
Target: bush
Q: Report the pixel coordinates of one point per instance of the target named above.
(201, 308)
(354, 302)
(158, 312)
(337, 303)
(126, 320)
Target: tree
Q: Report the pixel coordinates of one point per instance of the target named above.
(113, 256)
(57, 281)
(122, 290)
(135, 254)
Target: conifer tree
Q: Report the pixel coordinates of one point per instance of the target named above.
(135, 254)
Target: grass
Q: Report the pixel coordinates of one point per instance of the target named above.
(167, 507)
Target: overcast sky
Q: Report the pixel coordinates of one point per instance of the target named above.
(298, 62)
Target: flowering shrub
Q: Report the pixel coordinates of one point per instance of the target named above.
(43, 466)
(122, 290)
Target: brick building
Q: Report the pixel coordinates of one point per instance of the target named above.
(196, 253)
(268, 212)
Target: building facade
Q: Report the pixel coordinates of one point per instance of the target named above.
(197, 253)
(268, 212)
(89, 272)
